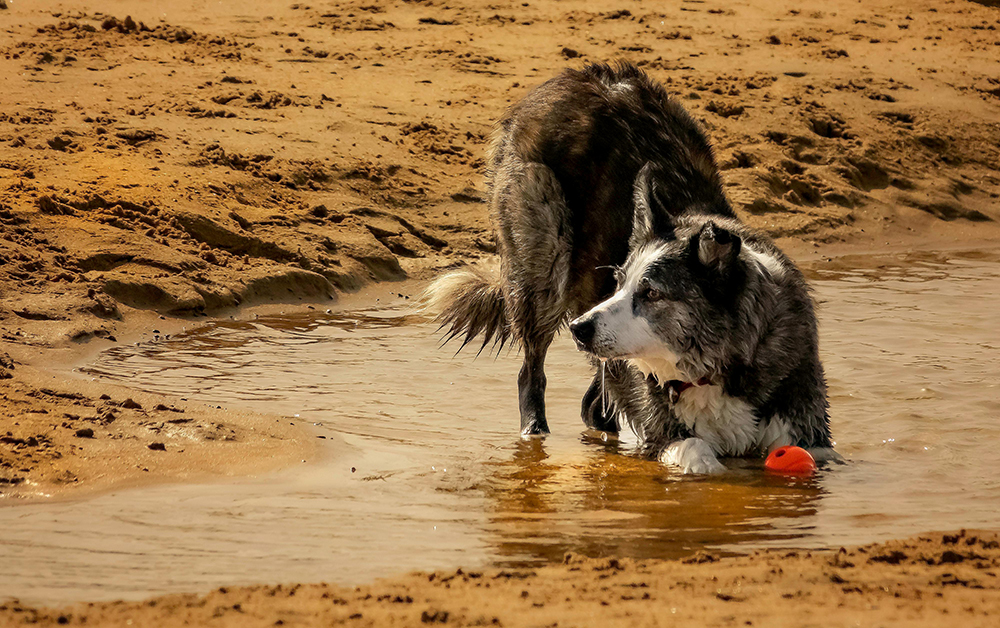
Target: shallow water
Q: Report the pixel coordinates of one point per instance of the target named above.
(911, 351)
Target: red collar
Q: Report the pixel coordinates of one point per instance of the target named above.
(675, 387)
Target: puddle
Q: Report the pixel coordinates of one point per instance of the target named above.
(911, 351)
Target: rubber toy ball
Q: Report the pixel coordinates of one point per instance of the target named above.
(790, 460)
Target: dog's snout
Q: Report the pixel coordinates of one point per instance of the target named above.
(583, 330)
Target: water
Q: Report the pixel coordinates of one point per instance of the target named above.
(440, 478)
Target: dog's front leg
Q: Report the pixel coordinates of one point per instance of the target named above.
(692, 455)
(596, 411)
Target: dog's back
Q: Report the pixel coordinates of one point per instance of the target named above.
(594, 129)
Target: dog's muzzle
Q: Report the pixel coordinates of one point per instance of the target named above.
(583, 330)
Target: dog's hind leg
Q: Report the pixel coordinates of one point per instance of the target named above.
(535, 246)
(531, 388)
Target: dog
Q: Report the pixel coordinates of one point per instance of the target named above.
(610, 216)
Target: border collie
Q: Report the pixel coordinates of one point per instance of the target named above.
(610, 216)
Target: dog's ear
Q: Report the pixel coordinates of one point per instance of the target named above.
(650, 219)
(718, 248)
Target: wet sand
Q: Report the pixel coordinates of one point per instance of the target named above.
(929, 580)
(63, 437)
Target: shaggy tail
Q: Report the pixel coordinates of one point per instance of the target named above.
(470, 303)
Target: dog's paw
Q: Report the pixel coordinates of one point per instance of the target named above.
(692, 455)
(534, 429)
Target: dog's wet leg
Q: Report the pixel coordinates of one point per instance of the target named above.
(535, 243)
(531, 389)
(597, 410)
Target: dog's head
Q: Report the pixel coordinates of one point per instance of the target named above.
(676, 303)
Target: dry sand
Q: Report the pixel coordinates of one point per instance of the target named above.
(162, 161)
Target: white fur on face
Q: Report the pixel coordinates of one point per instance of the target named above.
(619, 333)
(636, 268)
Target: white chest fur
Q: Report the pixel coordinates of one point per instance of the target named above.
(727, 424)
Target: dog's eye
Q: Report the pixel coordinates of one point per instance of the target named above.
(652, 294)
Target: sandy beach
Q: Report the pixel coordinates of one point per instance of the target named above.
(924, 581)
(166, 165)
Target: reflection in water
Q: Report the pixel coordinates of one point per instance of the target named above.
(910, 347)
(616, 504)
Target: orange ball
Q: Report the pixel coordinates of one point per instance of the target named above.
(790, 460)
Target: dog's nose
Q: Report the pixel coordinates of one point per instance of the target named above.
(583, 330)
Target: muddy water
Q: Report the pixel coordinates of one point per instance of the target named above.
(433, 474)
